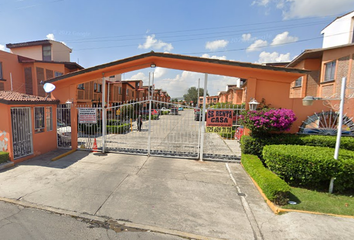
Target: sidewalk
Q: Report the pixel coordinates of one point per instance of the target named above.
(180, 197)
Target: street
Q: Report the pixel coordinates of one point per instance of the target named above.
(18, 223)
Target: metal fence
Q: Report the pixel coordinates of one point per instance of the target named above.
(64, 126)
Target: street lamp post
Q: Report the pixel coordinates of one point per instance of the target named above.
(308, 101)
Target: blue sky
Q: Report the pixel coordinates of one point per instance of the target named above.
(253, 31)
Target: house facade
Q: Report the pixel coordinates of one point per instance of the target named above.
(327, 66)
(339, 32)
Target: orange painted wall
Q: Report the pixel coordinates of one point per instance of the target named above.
(5, 129)
(45, 141)
(11, 65)
(42, 142)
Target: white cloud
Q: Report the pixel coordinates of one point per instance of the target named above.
(2, 47)
(159, 72)
(50, 36)
(260, 2)
(283, 38)
(214, 45)
(140, 76)
(267, 57)
(246, 37)
(152, 42)
(205, 55)
(257, 45)
(305, 8)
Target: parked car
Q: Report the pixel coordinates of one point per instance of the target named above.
(64, 136)
(180, 109)
(174, 111)
(163, 109)
(153, 112)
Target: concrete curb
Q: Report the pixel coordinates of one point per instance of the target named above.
(100, 219)
(6, 165)
(63, 155)
(276, 209)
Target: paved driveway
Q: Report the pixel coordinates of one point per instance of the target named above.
(192, 197)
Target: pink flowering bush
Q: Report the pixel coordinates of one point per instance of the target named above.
(266, 120)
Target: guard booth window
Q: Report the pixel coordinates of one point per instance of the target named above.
(39, 119)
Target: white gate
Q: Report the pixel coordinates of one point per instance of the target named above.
(64, 126)
(21, 131)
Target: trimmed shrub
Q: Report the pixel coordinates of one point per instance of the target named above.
(4, 157)
(311, 167)
(228, 135)
(153, 117)
(111, 122)
(165, 112)
(276, 189)
(254, 145)
(118, 129)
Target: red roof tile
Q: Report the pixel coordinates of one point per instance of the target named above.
(10, 97)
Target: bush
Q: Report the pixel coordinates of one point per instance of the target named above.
(228, 135)
(4, 157)
(254, 145)
(267, 120)
(113, 122)
(275, 189)
(311, 167)
(165, 112)
(118, 129)
(153, 117)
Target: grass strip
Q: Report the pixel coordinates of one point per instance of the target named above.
(308, 200)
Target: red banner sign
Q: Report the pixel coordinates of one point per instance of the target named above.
(219, 118)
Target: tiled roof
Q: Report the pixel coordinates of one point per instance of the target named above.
(10, 97)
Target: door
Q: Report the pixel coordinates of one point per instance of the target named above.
(21, 132)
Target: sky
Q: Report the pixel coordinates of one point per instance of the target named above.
(255, 31)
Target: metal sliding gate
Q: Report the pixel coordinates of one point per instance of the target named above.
(170, 130)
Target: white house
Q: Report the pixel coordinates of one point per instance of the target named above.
(339, 32)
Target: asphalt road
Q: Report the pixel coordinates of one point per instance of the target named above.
(18, 223)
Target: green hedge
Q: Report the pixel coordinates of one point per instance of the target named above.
(228, 135)
(251, 145)
(311, 167)
(276, 189)
(165, 112)
(153, 117)
(4, 157)
(118, 129)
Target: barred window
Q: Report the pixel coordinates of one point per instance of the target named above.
(49, 118)
(39, 119)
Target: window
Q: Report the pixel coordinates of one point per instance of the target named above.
(57, 74)
(81, 86)
(39, 119)
(298, 82)
(47, 53)
(133, 94)
(120, 90)
(330, 70)
(99, 88)
(48, 118)
(1, 77)
(127, 92)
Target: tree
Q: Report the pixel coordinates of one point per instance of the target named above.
(192, 95)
